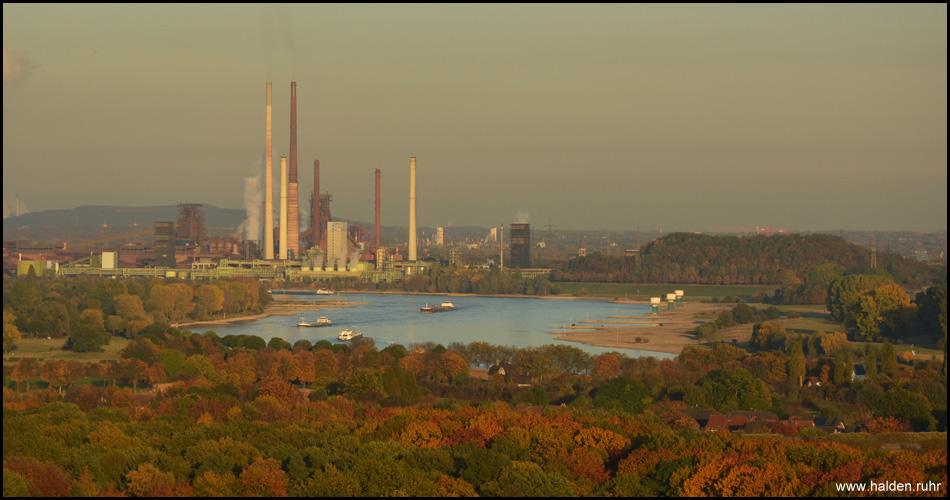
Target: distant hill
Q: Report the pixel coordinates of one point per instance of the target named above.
(759, 260)
(96, 215)
(87, 222)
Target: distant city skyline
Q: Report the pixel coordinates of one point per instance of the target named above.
(680, 117)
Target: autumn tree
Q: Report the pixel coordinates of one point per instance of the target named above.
(210, 299)
(147, 478)
(606, 366)
(56, 373)
(264, 478)
(11, 334)
(131, 309)
(25, 370)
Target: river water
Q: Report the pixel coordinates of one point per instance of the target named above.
(395, 318)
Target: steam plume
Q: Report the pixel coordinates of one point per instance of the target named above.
(521, 217)
(252, 206)
(16, 67)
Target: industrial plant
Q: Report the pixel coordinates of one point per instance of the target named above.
(325, 250)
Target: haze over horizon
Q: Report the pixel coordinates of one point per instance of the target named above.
(680, 117)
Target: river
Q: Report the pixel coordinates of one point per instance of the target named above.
(395, 318)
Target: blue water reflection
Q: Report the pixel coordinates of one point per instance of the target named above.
(395, 318)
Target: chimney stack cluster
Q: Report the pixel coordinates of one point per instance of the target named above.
(289, 237)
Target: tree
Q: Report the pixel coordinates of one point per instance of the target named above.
(25, 370)
(90, 335)
(147, 478)
(728, 389)
(264, 478)
(452, 363)
(210, 297)
(362, 381)
(527, 479)
(907, 406)
(56, 373)
(131, 309)
(24, 297)
(11, 334)
(623, 392)
(888, 359)
(796, 365)
(932, 311)
(606, 366)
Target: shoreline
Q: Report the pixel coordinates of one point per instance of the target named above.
(673, 331)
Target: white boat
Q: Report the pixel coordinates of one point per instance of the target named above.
(348, 334)
(324, 291)
(321, 321)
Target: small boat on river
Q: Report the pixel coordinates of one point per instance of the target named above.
(348, 334)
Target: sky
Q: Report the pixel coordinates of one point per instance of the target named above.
(615, 116)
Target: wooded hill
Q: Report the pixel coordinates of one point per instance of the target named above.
(741, 260)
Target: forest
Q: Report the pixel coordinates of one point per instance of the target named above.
(737, 260)
(194, 414)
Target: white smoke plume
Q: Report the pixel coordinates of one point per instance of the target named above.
(354, 259)
(252, 206)
(521, 217)
(16, 67)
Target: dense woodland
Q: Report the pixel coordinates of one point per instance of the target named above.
(89, 311)
(737, 260)
(236, 417)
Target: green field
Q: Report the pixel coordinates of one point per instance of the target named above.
(643, 291)
(44, 349)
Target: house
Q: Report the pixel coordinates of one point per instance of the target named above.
(502, 368)
(716, 423)
(829, 425)
(753, 427)
(755, 416)
(700, 415)
(510, 373)
(801, 422)
(811, 382)
(858, 372)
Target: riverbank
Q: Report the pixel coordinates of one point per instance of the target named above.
(672, 331)
(280, 307)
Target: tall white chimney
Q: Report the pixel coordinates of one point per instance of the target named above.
(412, 209)
(283, 207)
(268, 187)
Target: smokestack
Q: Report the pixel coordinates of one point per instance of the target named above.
(293, 212)
(502, 246)
(268, 187)
(316, 231)
(283, 207)
(377, 208)
(412, 209)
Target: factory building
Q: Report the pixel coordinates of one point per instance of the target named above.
(165, 244)
(336, 245)
(520, 245)
(191, 225)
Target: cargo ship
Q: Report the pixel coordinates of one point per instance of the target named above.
(446, 306)
(321, 321)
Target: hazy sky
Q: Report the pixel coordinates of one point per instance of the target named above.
(680, 117)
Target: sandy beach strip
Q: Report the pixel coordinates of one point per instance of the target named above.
(670, 334)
